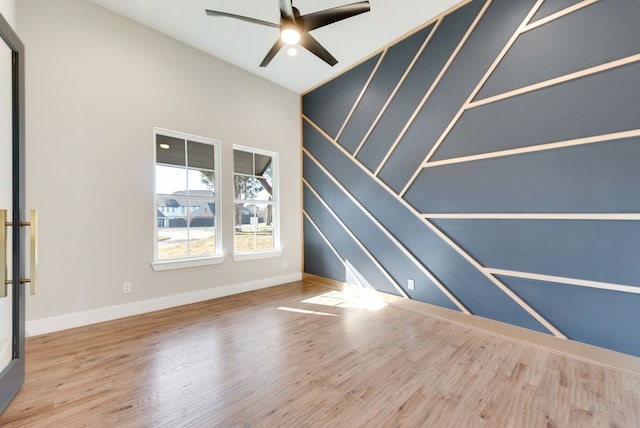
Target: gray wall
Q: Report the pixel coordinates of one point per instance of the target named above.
(97, 84)
(509, 191)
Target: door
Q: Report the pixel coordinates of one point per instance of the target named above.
(13, 231)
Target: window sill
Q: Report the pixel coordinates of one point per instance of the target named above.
(181, 264)
(241, 257)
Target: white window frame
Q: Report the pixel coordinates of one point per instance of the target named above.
(275, 167)
(218, 257)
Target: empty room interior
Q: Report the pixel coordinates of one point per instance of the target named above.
(410, 213)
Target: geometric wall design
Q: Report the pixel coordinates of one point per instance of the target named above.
(492, 156)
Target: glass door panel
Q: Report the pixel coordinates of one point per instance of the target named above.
(12, 230)
(6, 205)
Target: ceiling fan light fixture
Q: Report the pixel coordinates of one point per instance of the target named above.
(295, 27)
(290, 36)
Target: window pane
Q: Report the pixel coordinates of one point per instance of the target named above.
(254, 227)
(186, 227)
(200, 155)
(202, 230)
(202, 213)
(201, 183)
(242, 162)
(262, 165)
(172, 227)
(170, 179)
(186, 196)
(251, 188)
(170, 150)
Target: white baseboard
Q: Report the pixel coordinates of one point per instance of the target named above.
(79, 319)
(573, 349)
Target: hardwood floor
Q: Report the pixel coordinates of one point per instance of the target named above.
(301, 355)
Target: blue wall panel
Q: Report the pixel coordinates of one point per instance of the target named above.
(592, 178)
(591, 36)
(596, 250)
(319, 259)
(607, 318)
(595, 178)
(329, 105)
(559, 113)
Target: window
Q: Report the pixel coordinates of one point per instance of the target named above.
(187, 198)
(255, 201)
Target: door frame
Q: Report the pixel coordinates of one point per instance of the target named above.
(12, 376)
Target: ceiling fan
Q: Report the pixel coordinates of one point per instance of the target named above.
(294, 28)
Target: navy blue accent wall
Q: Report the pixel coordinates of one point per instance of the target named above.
(525, 208)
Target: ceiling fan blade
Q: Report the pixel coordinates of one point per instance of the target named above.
(272, 52)
(286, 9)
(312, 45)
(319, 19)
(240, 17)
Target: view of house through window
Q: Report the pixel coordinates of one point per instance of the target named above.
(186, 196)
(255, 200)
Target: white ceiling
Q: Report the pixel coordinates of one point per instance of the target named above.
(244, 44)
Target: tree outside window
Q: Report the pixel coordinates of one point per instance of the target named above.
(255, 200)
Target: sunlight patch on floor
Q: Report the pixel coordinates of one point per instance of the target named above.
(368, 300)
(304, 311)
(351, 297)
(330, 298)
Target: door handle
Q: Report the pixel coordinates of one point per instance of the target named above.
(3, 253)
(33, 251)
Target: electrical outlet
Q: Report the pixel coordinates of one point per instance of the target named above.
(127, 288)
(411, 284)
(285, 265)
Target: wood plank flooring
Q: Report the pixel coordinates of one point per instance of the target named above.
(301, 355)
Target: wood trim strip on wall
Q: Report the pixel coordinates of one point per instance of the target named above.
(481, 83)
(534, 216)
(605, 138)
(568, 281)
(558, 15)
(558, 80)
